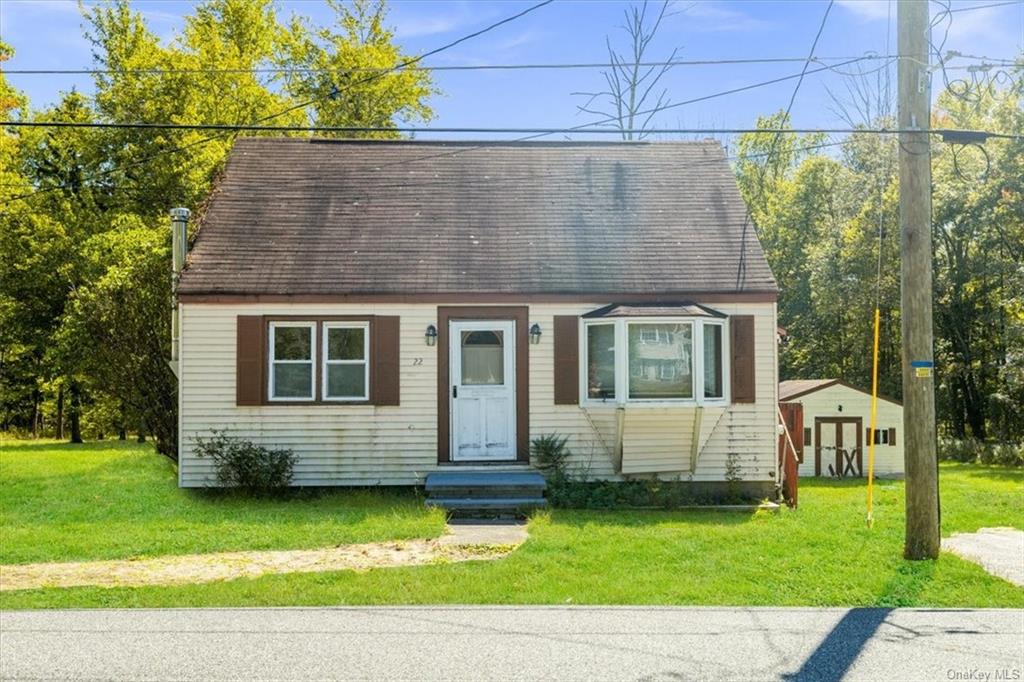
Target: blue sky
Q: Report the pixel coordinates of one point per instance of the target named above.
(48, 34)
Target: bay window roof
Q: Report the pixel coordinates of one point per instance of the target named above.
(654, 310)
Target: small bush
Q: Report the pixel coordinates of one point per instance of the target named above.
(550, 454)
(245, 465)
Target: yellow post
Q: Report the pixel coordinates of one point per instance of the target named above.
(874, 414)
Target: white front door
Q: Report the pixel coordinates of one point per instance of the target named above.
(483, 394)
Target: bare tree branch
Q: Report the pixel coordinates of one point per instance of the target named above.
(630, 85)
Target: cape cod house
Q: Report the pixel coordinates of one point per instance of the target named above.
(393, 309)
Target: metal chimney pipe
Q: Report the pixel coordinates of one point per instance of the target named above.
(179, 249)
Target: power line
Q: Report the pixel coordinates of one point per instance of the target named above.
(493, 179)
(824, 61)
(205, 140)
(948, 133)
(741, 268)
(971, 8)
(404, 64)
(451, 67)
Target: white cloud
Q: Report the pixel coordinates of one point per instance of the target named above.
(411, 27)
(869, 10)
(518, 40)
(714, 17)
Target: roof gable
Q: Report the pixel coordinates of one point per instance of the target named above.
(299, 217)
(798, 388)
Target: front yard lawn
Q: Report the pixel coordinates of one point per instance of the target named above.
(71, 502)
(117, 500)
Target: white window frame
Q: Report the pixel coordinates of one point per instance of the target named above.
(627, 322)
(271, 361)
(584, 355)
(325, 362)
(622, 369)
(726, 382)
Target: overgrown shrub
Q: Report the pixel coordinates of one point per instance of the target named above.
(550, 454)
(573, 490)
(247, 466)
(980, 452)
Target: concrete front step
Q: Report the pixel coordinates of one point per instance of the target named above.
(498, 505)
(484, 479)
(486, 492)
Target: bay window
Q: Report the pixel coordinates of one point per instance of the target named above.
(654, 360)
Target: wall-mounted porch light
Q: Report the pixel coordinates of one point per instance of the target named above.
(535, 333)
(431, 335)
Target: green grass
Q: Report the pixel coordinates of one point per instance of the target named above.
(111, 500)
(821, 554)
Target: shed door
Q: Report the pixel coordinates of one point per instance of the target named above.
(483, 398)
(838, 446)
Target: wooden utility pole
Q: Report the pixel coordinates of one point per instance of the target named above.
(922, 473)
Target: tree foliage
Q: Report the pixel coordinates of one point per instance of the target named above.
(829, 223)
(84, 238)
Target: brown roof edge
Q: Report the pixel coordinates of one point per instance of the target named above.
(480, 297)
(828, 383)
(404, 141)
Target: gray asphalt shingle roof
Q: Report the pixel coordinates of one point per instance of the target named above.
(312, 216)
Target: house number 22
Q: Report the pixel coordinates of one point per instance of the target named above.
(417, 361)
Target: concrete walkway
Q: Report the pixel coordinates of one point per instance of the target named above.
(1000, 551)
(502, 643)
(461, 542)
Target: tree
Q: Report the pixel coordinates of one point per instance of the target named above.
(632, 98)
(823, 218)
(84, 253)
(349, 73)
(121, 319)
(978, 231)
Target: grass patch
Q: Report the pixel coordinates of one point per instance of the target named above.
(117, 500)
(819, 555)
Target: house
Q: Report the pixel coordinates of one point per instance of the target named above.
(394, 309)
(837, 429)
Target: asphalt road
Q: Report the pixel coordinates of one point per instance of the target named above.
(502, 643)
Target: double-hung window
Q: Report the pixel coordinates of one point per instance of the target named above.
(292, 349)
(346, 370)
(318, 361)
(654, 360)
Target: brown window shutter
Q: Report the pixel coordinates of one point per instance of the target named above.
(249, 360)
(892, 436)
(867, 434)
(386, 366)
(742, 352)
(567, 360)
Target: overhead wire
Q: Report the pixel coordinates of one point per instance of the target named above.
(443, 67)
(531, 136)
(592, 130)
(873, 417)
(741, 267)
(337, 91)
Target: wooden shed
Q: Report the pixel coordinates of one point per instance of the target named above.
(837, 429)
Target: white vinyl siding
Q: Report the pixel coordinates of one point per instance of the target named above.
(397, 445)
